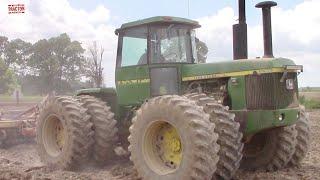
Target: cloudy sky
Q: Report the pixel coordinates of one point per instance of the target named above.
(296, 26)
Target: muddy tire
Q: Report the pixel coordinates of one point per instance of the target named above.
(64, 133)
(270, 150)
(303, 138)
(104, 126)
(230, 137)
(190, 153)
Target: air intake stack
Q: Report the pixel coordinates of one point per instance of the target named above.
(267, 29)
(240, 42)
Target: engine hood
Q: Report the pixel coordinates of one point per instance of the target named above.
(191, 72)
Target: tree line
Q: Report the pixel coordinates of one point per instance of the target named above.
(54, 64)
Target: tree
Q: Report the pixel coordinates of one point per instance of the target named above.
(3, 43)
(44, 65)
(56, 64)
(94, 63)
(16, 55)
(7, 78)
(59, 62)
(74, 66)
(202, 51)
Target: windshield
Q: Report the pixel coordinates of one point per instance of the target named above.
(171, 44)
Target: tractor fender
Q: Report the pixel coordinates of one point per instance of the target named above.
(108, 95)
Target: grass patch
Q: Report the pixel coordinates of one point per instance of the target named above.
(7, 98)
(309, 103)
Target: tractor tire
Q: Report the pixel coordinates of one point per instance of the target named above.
(230, 137)
(303, 138)
(270, 150)
(104, 125)
(64, 133)
(172, 138)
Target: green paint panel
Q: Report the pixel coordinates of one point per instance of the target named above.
(108, 95)
(233, 66)
(236, 90)
(96, 91)
(264, 119)
(132, 92)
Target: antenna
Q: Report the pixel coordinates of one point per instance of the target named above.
(188, 8)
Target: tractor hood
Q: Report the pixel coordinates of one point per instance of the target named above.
(191, 72)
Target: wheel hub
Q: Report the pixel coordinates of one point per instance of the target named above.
(169, 146)
(162, 147)
(59, 133)
(53, 135)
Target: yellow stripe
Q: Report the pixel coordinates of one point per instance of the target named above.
(211, 76)
(239, 73)
(133, 81)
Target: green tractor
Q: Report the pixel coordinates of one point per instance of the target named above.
(178, 118)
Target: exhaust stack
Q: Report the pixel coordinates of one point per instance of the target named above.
(267, 29)
(240, 40)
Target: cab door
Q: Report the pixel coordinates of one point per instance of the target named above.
(164, 79)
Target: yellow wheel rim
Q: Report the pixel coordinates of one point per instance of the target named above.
(53, 135)
(162, 147)
(59, 133)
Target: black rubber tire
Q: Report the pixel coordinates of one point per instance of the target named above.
(200, 150)
(230, 137)
(78, 128)
(104, 126)
(303, 138)
(277, 151)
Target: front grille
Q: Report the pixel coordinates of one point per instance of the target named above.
(266, 92)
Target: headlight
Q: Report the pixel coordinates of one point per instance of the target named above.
(281, 117)
(290, 84)
(294, 67)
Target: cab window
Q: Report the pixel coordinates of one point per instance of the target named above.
(134, 47)
(171, 44)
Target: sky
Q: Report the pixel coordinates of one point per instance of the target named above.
(296, 26)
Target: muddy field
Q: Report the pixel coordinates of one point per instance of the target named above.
(22, 162)
(311, 95)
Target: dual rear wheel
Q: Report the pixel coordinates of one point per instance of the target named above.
(70, 130)
(63, 133)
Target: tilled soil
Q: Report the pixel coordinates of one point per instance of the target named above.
(22, 162)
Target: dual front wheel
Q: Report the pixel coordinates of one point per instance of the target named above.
(169, 140)
(172, 138)
(190, 137)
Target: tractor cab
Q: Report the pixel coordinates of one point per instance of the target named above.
(149, 54)
(157, 40)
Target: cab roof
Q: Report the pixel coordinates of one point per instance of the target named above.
(159, 20)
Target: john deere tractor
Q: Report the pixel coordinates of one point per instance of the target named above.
(178, 118)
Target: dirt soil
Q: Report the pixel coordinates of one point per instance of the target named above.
(22, 162)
